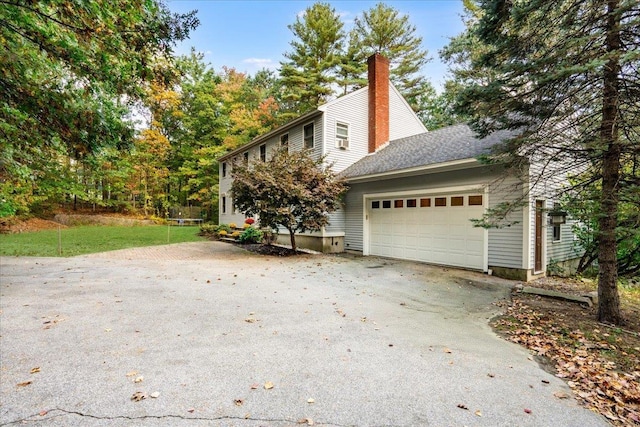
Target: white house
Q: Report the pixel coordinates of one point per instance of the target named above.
(413, 193)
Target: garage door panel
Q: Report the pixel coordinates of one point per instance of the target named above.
(434, 234)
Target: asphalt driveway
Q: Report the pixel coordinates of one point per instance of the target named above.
(222, 337)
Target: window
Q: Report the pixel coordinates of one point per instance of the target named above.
(386, 204)
(411, 203)
(457, 201)
(246, 157)
(224, 169)
(284, 140)
(398, 203)
(263, 152)
(475, 200)
(441, 201)
(425, 203)
(375, 205)
(342, 135)
(308, 136)
(224, 204)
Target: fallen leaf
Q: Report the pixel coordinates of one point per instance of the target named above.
(528, 411)
(132, 373)
(138, 379)
(478, 413)
(107, 330)
(561, 395)
(268, 385)
(155, 394)
(403, 303)
(491, 375)
(238, 402)
(43, 412)
(307, 421)
(310, 400)
(35, 370)
(462, 406)
(446, 350)
(250, 320)
(254, 386)
(138, 396)
(190, 410)
(545, 381)
(24, 383)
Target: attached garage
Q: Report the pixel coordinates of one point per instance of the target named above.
(433, 228)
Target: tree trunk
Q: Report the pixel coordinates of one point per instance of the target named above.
(292, 236)
(608, 298)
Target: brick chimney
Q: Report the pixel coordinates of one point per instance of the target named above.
(378, 67)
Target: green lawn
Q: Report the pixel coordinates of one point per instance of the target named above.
(91, 239)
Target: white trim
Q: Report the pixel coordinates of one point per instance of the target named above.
(454, 164)
(425, 191)
(527, 230)
(485, 205)
(365, 225)
(545, 231)
(313, 135)
(335, 134)
(280, 140)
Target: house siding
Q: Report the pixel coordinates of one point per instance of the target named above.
(547, 190)
(352, 110)
(505, 242)
(403, 121)
(296, 142)
(505, 245)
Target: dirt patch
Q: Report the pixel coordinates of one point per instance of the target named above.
(272, 250)
(29, 225)
(600, 363)
(100, 220)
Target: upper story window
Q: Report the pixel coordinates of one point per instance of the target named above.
(263, 152)
(284, 140)
(224, 169)
(342, 135)
(246, 157)
(308, 136)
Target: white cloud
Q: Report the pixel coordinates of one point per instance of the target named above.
(260, 62)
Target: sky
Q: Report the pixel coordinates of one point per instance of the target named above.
(251, 35)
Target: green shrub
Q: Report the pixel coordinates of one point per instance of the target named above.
(223, 227)
(208, 229)
(250, 235)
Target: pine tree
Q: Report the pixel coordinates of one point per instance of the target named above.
(384, 30)
(310, 69)
(565, 75)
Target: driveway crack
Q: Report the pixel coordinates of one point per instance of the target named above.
(57, 412)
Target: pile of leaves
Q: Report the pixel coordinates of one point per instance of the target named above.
(599, 363)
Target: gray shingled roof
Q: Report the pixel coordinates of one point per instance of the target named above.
(456, 142)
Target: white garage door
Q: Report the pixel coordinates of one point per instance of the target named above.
(434, 229)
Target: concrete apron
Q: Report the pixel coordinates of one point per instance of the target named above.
(344, 341)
